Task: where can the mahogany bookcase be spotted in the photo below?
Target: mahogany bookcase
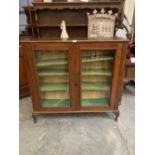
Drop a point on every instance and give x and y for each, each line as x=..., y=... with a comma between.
x=75, y=76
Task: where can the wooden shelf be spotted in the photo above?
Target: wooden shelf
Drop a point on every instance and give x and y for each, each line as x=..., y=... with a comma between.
x=64, y=62
x=64, y=87
x=94, y=94
x=84, y=73
x=96, y=67
x=52, y=62
x=65, y=95
x=54, y=79
x=66, y=103
x=94, y=79
x=97, y=86
x=98, y=59
x=54, y=87
x=55, y=103
x=43, y=26
x=97, y=73
x=53, y=73
x=95, y=102
x=55, y=95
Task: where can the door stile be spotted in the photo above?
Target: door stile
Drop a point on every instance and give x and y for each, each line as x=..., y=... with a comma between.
x=72, y=75
x=78, y=76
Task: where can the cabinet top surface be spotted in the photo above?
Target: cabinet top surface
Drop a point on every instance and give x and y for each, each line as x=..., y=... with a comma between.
x=60, y=4
x=72, y=40
x=76, y=1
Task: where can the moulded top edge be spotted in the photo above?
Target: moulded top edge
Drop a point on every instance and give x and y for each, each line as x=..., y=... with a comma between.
x=76, y=2
x=76, y=5
x=72, y=40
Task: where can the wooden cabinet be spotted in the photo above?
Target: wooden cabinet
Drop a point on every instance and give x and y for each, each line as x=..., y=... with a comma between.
x=75, y=76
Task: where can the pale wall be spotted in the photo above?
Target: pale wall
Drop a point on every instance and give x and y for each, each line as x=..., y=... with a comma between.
x=129, y=9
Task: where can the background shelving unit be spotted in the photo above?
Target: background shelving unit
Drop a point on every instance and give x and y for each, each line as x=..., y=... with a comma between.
x=45, y=18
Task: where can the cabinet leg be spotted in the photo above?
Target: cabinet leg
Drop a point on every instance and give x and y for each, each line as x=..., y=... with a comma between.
x=116, y=115
x=34, y=118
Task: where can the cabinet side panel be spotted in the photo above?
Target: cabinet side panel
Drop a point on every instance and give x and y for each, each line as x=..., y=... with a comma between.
x=121, y=74
x=31, y=75
x=23, y=84
x=116, y=76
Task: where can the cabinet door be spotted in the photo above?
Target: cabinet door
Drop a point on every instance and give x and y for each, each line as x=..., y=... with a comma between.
x=98, y=65
x=52, y=69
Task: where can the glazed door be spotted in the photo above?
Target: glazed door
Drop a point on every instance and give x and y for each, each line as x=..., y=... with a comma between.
x=98, y=68
x=51, y=69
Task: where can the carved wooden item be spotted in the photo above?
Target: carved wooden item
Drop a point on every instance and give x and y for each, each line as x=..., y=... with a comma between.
x=101, y=25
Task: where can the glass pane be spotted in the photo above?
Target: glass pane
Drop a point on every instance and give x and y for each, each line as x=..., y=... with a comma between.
x=97, y=70
x=53, y=75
